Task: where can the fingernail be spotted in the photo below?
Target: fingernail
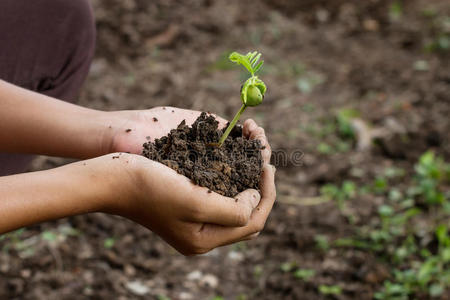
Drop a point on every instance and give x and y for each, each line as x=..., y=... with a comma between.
x=274, y=169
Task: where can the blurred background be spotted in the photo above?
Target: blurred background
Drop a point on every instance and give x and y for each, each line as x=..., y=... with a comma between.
x=360, y=88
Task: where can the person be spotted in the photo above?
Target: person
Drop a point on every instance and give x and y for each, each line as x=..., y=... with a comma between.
x=46, y=50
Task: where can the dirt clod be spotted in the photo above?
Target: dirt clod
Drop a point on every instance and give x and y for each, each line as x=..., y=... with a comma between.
x=227, y=170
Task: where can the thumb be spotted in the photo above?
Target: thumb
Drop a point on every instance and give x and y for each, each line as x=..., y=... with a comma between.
x=226, y=211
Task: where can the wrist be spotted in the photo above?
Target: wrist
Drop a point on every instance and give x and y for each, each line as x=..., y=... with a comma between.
x=114, y=179
x=116, y=125
x=89, y=183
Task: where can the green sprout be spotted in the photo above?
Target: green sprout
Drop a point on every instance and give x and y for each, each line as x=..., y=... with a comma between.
x=252, y=91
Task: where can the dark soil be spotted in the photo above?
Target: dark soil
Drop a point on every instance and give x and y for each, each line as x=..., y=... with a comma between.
x=227, y=170
x=349, y=54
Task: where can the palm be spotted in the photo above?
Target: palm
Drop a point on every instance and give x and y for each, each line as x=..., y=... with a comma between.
x=144, y=125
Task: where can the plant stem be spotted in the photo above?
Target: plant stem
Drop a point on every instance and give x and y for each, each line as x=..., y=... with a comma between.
x=233, y=122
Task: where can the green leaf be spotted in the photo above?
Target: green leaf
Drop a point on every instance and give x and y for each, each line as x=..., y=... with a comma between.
x=330, y=289
x=385, y=211
x=258, y=66
x=287, y=266
x=49, y=236
x=304, y=274
x=109, y=243
x=442, y=235
x=324, y=148
x=396, y=10
x=241, y=60
x=255, y=60
x=322, y=242
x=249, y=61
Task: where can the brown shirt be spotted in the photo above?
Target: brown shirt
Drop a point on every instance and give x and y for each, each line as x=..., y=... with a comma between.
x=45, y=46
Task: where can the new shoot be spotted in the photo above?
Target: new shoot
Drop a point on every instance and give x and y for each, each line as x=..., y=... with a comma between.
x=252, y=91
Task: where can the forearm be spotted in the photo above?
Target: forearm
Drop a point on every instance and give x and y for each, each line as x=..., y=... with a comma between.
x=35, y=197
x=34, y=123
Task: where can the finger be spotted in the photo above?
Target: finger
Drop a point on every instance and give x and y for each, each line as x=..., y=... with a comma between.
x=249, y=237
x=249, y=126
x=215, y=236
x=252, y=131
x=259, y=134
x=216, y=209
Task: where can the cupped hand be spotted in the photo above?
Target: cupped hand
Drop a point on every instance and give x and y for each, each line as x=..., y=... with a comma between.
x=187, y=216
x=129, y=130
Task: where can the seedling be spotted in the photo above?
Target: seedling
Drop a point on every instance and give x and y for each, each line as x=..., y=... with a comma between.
x=252, y=91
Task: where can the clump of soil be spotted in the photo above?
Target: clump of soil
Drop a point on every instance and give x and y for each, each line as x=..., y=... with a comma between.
x=227, y=170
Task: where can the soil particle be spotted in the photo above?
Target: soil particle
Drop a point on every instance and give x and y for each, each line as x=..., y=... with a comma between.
x=114, y=157
x=128, y=130
x=227, y=170
x=155, y=119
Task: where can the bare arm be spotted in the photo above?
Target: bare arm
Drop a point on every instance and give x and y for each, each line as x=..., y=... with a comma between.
x=35, y=197
x=37, y=124
x=185, y=215
x=34, y=123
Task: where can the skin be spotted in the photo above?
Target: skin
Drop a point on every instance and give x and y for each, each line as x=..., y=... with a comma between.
x=189, y=218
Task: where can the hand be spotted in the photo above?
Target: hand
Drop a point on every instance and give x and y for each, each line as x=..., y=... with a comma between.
x=131, y=129
x=193, y=220
x=212, y=235
x=185, y=215
x=167, y=203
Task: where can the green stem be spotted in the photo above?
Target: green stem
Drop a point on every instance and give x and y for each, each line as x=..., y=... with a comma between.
x=230, y=127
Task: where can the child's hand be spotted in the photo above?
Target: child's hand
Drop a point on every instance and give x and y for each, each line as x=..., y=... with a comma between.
x=185, y=215
x=131, y=129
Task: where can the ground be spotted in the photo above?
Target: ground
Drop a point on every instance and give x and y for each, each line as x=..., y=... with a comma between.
x=358, y=91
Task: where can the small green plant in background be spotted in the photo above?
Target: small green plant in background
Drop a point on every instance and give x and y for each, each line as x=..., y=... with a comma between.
x=330, y=289
x=339, y=193
x=108, y=243
x=430, y=276
x=242, y=297
x=288, y=266
x=396, y=10
x=322, y=242
x=253, y=89
x=411, y=230
x=258, y=271
x=299, y=273
x=344, y=122
x=304, y=274
x=430, y=171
